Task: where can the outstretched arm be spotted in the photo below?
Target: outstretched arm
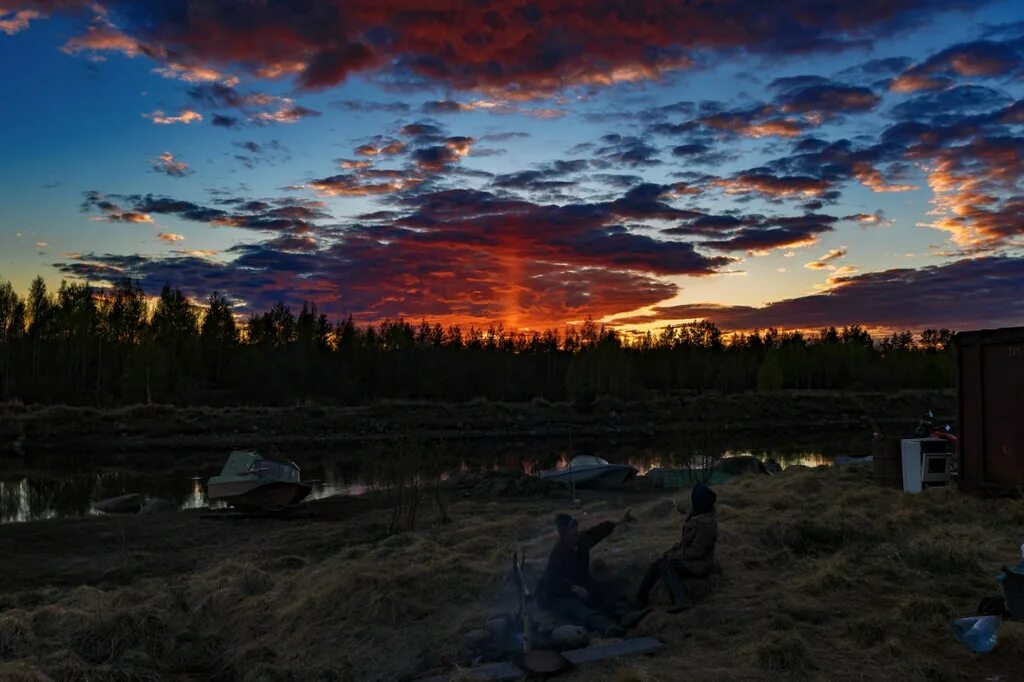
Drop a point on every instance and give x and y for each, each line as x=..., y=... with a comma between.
x=594, y=535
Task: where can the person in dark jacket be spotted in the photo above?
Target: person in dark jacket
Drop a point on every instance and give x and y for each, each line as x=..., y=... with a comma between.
x=568, y=588
x=693, y=555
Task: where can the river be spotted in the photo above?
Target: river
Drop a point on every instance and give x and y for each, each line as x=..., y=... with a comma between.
x=62, y=486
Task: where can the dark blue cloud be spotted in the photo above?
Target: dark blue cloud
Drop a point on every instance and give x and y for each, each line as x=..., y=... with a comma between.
x=624, y=150
x=944, y=106
x=897, y=298
x=367, y=106
x=225, y=121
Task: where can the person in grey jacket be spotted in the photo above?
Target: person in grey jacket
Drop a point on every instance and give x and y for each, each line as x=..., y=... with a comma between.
x=693, y=555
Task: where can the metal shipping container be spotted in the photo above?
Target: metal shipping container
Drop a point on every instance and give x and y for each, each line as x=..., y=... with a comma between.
x=991, y=397
x=886, y=455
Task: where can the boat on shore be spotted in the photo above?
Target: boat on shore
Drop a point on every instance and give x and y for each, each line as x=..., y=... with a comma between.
x=251, y=481
x=590, y=471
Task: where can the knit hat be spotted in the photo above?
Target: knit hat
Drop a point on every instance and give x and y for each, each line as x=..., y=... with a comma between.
x=564, y=522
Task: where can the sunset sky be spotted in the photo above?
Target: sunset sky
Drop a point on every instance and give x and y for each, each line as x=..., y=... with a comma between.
x=793, y=164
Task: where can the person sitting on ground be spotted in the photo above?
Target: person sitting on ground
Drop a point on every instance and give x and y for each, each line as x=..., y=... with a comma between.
x=568, y=588
x=693, y=556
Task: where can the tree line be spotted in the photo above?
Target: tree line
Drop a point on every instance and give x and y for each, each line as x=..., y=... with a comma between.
x=111, y=346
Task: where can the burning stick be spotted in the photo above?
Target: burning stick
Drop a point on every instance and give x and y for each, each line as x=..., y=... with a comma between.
x=518, y=560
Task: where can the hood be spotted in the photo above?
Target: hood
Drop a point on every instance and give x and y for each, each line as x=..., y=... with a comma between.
x=702, y=499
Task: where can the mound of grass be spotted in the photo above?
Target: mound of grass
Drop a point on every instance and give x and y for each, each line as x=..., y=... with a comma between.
x=1011, y=640
x=869, y=630
x=784, y=652
x=15, y=635
x=18, y=671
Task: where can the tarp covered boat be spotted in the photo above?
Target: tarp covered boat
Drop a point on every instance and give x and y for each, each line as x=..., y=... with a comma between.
x=589, y=471
x=249, y=480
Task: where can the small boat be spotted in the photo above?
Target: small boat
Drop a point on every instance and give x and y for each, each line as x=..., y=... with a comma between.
x=251, y=481
x=841, y=460
x=131, y=503
x=589, y=471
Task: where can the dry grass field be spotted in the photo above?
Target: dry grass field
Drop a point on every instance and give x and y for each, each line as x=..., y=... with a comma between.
x=823, y=576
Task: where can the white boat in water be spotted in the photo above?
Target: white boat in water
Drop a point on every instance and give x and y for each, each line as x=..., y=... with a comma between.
x=589, y=471
x=251, y=481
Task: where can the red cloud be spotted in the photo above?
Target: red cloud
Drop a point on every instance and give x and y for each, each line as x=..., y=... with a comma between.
x=516, y=47
x=459, y=255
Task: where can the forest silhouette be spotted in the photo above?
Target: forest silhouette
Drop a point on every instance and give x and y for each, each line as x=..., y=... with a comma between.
x=106, y=347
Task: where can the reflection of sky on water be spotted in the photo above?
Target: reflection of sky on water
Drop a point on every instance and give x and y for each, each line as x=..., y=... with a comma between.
x=18, y=503
x=197, y=497
x=69, y=488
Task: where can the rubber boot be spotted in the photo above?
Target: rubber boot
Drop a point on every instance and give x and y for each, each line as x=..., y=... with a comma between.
x=633, y=617
x=680, y=600
x=605, y=625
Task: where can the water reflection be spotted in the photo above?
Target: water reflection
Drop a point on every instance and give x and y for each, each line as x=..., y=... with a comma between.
x=70, y=487
x=197, y=498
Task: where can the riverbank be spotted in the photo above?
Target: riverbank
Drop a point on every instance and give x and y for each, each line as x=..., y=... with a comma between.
x=823, y=575
x=27, y=429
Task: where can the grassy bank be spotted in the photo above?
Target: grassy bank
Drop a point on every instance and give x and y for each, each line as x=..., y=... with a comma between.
x=824, y=576
x=83, y=429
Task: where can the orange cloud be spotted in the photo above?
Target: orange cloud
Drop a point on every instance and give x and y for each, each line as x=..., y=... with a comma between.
x=278, y=69
x=967, y=183
x=779, y=128
x=12, y=22
x=916, y=82
x=872, y=178
x=390, y=148
x=103, y=36
x=842, y=275
x=170, y=237
x=772, y=185
x=349, y=164
x=354, y=185
x=194, y=73
x=118, y=216
x=288, y=112
x=166, y=163
x=825, y=262
x=185, y=116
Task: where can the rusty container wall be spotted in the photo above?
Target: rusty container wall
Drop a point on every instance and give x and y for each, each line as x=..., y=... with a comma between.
x=991, y=399
x=888, y=465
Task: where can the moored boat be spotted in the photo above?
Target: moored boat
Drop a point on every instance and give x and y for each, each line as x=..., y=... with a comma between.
x=589, y=471
x=249, y=480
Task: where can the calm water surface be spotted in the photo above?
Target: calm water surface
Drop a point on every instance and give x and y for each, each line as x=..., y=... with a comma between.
x=64, y=486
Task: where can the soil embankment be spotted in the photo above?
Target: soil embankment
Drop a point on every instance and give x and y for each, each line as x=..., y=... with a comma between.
x=822, y=575
x=24, y=429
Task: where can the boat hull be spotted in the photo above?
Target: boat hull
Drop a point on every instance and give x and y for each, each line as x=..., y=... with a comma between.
x=258, y=494
x=606, y=477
